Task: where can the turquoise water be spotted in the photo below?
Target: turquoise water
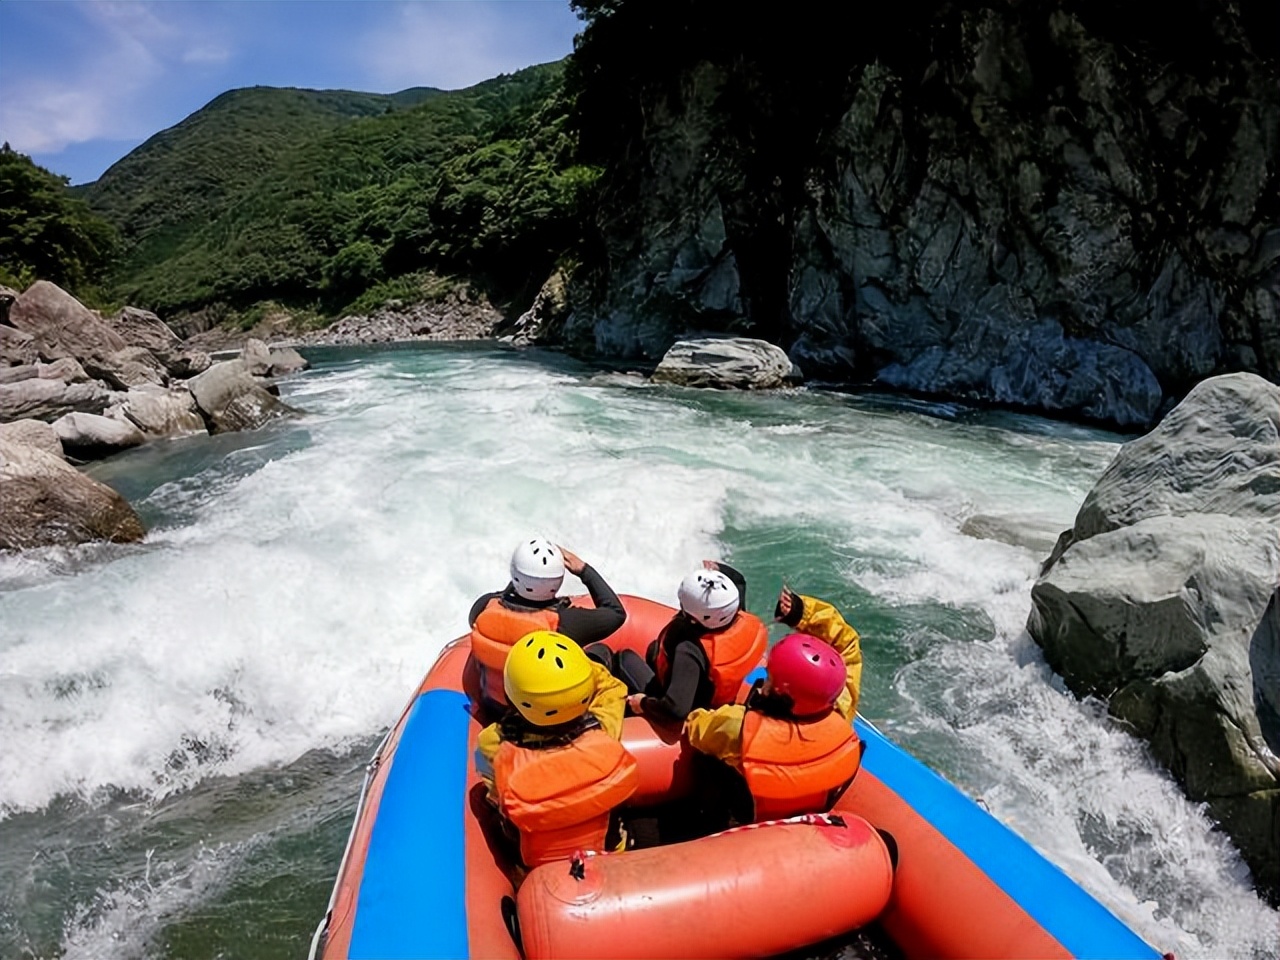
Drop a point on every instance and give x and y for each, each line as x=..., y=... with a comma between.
x=184, y=723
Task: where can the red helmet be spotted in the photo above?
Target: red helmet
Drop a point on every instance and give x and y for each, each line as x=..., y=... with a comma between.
x=807, y=670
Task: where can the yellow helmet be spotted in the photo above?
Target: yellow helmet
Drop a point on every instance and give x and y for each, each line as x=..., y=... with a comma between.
x=548, y=678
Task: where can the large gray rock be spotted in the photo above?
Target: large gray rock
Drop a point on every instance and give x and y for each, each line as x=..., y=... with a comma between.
x=64, y=369
x=729, y=363
x=142, y=328
x=230, y=399
x=62, y=325
x=263, y=361
x=34, y=433
x=256, y=358
x=1162, y=599
x=159, y=412
x=46, y=502
x=46, y=399
x=17, y=347
x=87, y=436
x=130, y=367
x=1216, y=452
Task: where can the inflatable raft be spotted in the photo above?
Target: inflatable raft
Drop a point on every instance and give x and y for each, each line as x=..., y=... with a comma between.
x=424, y=875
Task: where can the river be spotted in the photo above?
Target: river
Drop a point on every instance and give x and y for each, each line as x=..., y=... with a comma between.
x=184, y=722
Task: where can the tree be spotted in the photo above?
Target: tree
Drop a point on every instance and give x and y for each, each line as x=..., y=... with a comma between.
x=45, y=232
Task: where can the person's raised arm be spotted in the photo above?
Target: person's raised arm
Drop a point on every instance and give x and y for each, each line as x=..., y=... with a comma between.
x=822, y=620
x=584, y=624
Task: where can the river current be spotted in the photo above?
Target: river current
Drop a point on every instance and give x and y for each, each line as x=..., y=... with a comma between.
x=184, y=722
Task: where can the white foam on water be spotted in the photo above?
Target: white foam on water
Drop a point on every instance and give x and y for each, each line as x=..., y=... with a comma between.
x=123, y=920
x=307, y=598
x=291, y=604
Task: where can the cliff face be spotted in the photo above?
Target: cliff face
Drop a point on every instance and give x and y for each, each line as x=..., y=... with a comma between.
x=1025, y=203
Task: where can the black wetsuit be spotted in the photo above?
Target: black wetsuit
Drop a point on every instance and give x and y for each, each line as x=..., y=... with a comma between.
x=689, y=684
x=581, y=624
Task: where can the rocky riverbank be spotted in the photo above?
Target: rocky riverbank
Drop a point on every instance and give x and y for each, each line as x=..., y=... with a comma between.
x=76, y=386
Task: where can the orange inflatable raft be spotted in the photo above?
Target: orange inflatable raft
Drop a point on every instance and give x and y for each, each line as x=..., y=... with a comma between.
x=424, y=876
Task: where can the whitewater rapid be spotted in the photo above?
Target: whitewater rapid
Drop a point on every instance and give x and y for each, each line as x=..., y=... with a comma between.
x=299, y=580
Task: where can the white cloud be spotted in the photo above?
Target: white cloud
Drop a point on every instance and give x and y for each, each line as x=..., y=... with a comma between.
x=121, y=70
x=45, y=115
x=107, y=93
x=207, y=54
x=454, y=45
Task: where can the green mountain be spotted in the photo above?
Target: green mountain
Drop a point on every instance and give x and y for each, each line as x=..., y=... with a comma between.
x=47, y=233
x=185, y=175
x=312, y=198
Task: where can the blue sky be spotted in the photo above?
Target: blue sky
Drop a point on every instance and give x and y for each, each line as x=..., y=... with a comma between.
x=83, y=82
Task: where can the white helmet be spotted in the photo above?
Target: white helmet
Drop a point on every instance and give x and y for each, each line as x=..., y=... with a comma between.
x=537, y=569
x=709, y=597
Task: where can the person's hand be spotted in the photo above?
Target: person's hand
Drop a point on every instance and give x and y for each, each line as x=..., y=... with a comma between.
x=784, y=603
x=633, y=703
x=572, y=562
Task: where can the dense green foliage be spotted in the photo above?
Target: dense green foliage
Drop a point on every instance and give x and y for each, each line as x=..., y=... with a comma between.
x=268, y=196
x=186, y=175
x=45, y=232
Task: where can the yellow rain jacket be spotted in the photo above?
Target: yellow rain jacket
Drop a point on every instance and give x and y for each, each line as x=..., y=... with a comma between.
x=719, y=732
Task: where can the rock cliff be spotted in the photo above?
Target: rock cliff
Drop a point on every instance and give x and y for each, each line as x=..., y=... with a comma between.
x=1041, y=205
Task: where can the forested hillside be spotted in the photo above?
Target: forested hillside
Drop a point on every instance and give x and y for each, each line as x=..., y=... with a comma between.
x=186, y=175
x=45, y=232
x=314, y=204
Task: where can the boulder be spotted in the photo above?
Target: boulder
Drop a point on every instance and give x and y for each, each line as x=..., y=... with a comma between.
x=44, y=501
x=46, y=399
x=62, y=325
x=230, y=399
x=263, y=361
x=34, y=433
x=256, y=358
x=159, y=412
x=87, y=436
x=17, y=347
x=1163, y=601
x=729, y=362
x=286, y=360
x=65, y=369
x=130, y=367
x=142, y=328
x=188, y=363
x=21, y=371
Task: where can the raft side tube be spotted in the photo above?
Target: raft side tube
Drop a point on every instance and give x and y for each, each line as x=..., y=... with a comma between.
x=415, y=859
x=967, y=885
x=746, y=892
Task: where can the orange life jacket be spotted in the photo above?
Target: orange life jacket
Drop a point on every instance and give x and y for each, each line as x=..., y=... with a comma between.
x=732, y=653
x=495, y=631
x=793, y=767
x=560, y=798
